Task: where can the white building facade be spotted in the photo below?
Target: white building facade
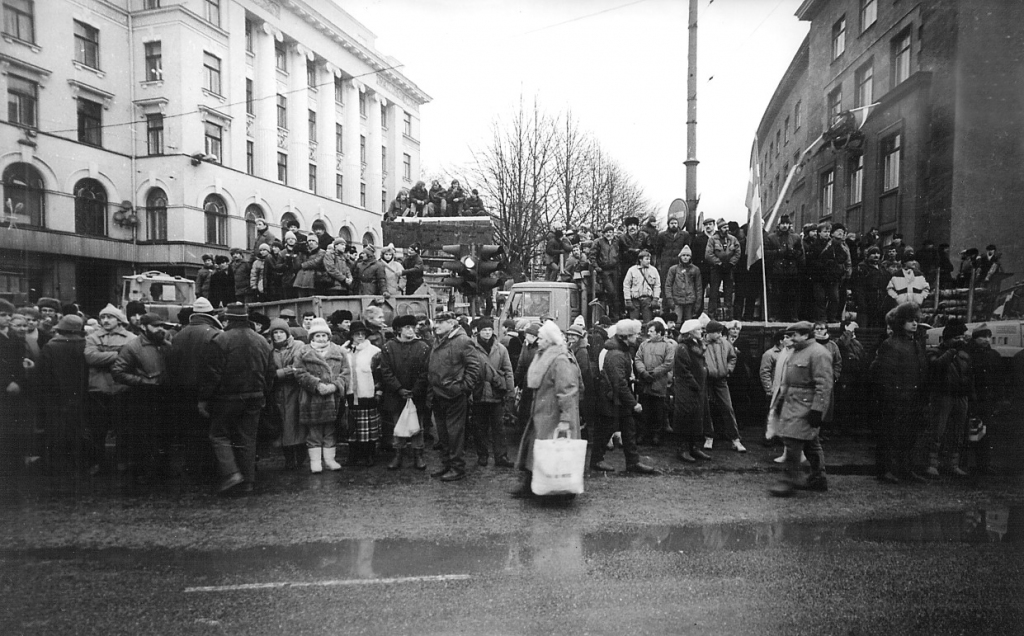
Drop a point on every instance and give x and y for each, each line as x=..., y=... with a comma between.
x=141, y=134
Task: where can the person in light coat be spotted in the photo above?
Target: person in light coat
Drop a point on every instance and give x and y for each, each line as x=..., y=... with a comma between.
x=108, y=399
x=394, y=272
x=908, y=285
x=555, y=380
x=287, y=392
x=653, y=367
x=641, y=288
x=799, y=405
x=364, y=394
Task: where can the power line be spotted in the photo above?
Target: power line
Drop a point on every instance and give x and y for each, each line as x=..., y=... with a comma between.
x=583, y=17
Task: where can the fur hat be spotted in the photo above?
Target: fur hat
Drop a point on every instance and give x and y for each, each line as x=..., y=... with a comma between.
x=134, y=308
x=319, y=326
x=551, y=332
x=7, y=308
x=70, y=324
x=484, y=322
x=630, y=220
x=953, y=329
x=627, y=327
x=689, y=326
x=358, y=327
x=202, y=306
x=407, y=320
x=51, y=303
x=904, y=314
x=111, y=310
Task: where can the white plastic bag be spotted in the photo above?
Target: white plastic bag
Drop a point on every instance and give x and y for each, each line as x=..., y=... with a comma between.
x=409, y=421
x=558, y=466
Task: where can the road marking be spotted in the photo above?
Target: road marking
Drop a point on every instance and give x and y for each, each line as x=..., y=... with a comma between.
x=329, y=583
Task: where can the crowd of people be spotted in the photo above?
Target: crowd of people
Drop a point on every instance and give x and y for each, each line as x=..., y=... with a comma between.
x=435, y=201
x=208, y=389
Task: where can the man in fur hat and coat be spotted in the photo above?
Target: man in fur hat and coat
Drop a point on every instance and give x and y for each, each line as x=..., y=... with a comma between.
x=108, y=399
x=403, y=369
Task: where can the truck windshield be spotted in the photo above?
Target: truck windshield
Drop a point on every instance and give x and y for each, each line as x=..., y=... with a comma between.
x=177, y=293
x=530, y=303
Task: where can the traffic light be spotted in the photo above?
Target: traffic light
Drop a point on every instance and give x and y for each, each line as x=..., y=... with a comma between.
x=489, y=261
x=462, y=267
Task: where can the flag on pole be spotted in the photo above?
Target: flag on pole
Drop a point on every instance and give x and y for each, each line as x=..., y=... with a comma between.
x=860, y=115
x=755, y=227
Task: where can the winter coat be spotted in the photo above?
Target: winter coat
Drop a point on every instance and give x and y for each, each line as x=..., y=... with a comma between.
x=526, y=355
x=990, y=378
x=555, y=401
x=141, y=362
x=203, y=282
x=766, y=371
x=497, y=358
x=394, y=282
x=853, y=354
x=275, y=268
x=185, y=358
x=555, y=245
x=900, y=372
x=453, y=368
x=312, y=370
x=308, y=269
x=437, y=195
x=721, y=358
x=834, y=263
x=683, y=284
x=630, y=246
x=400, y=206
x=240, y=272
x=613, y=377
x=837, y=368
x=290, y=264
x=413, y=272
x=951, y=371
x=722, y=251
x=605, y=254
x=370, y=278
x=363, y=369
x=908, y=289
x=266, y=237
x=62, y=382
x=403, y=365
x=288, y=393
x=640, y=282
x=336, y=266
x=238, y=364
x=581, y=354
x=257, y=276
x=222, y=288
x=101, y=350
x=666, y=248
x=690, y=387
x=12, y=351
x=699, y=247
x=784, y=254
x=869, y=285
x=653, y=364
x=806, y=386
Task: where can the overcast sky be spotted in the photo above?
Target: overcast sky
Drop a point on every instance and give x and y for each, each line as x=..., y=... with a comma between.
x=619, y=65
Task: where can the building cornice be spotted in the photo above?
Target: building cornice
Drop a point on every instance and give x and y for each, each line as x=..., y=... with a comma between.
x=7, y=61
x=808, y=9
x=81, y=87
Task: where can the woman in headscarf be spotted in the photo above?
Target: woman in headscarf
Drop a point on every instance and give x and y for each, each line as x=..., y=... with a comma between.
x=364, y=395
x=287, y=392
x=323, y=373
x=555, y=381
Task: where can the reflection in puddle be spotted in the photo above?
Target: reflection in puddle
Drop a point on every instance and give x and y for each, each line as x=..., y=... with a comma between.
x=549, y=550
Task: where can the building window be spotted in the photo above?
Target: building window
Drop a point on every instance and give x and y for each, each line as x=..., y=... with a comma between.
x=339, y=90
x=90, y=122
x=778, y=142
x=281, y=56
x=312, y=178
x=864, y=78
x=407, y=124
x=151, y=4
x=250, y=106
x=797, y=115
x=311, y=74
x=216, y=212
x=25, y=193
x=362, y=195
x=828, y=183
x=214, y=134
x=282, y=168
x=211, y=11
x=856, y=185
x=891, y=163
x=22, y=101
x=868, y=13
x=384, y=159
x=339, y=187
x=211, y=73
x=154, y=134
x=250, y=157
x=383, y=116
x=87, y=45
x=156, y=215
x=154, y=62
x=383, y=200
x=339, y=136
x=252, y=212
x=362, y=104
x=19, y=21
x=282, y=111
x=839, y=37
x=362, y=149
x=785, y=131
x=406, y=167
x=312, y=125
x=835, y=103
x=90, y=208
x=901, y=58
x=248, y=36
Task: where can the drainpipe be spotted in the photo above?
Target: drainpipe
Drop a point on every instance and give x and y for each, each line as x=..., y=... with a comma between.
x=133, y=183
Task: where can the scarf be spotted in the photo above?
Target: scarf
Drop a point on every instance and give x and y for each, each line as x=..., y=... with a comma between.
x=540, y=364
x=319, y=349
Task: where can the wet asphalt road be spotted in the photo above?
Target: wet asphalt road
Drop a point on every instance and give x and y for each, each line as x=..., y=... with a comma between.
x=695, y=551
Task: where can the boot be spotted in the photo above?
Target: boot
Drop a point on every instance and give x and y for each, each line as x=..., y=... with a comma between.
x=315, y=457
x=396, y=462
x=369, y=454
x=954, y=467
x=417, y=459
x=933, y=465
x=329, y=462
x=290, y=461
x=353, y=454
x=522, y=489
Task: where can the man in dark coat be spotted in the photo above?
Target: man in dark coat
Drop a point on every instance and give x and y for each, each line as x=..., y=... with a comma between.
x=604, y=254
x=234, y=383
x=952, y=387
x=699, y=247
x=496, y=381
x=452, y=371
x=63, y=382
x=412, y=269
x=368, y=273
x=556, y=249
x=784, y=254
x=631, y=243
x=834, y=270
x=578, y=345
x=689, y=387
x=222, y=283
x=869, y=285
x=617, y=403
x=13, y=389
x=666, y=249
x=403, y=369
x=240, y=269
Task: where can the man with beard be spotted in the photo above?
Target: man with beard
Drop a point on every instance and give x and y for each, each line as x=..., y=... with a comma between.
x=722, y=254
x=785, y=255
x=403, y=368
x=142, y=366
x=604, y=254
x=631, y=243
x=489, y=396
x=412, y=269
x=369, y=275
x=869, y=282
x=108, y=399
x=616, y=400
x=452, y=371
x=689, y=387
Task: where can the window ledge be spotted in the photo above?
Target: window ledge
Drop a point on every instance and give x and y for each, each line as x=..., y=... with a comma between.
x=411, y=139
x=282, y=73
x=15, y=40
x=151, y=83
x=85, y=67
x=868, y=28
x=216, y=96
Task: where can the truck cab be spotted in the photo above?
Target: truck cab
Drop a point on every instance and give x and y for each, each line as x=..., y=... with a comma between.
x=161, y=293
x=532, y=300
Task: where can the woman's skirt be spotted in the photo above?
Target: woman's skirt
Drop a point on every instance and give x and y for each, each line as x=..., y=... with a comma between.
x=363, y=420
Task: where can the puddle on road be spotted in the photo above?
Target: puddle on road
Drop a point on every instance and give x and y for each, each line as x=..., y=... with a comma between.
x=549, y=551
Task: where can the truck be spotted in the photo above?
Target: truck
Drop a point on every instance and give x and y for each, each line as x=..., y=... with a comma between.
x=532, y=300
x=1006, y=322
x=324, y=306
x=161, y=293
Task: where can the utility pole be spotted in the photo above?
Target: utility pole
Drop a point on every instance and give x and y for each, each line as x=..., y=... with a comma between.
x=691, y=122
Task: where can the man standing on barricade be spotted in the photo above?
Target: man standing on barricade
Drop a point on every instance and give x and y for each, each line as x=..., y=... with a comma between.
x=784, y=254
x=604, y=254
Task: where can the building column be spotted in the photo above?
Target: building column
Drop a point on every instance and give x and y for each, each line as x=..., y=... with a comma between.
x=298, y=117
x=265, y=95
x=326, y=113
x=374, y=169
x=353, y=126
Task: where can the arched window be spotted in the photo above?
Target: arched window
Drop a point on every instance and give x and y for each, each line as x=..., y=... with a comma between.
x=24, y=195
x=288, y=222
x=90, y=208
x=216, y=212
x=156, y=215
x=368, y=239
x=346, y=234
x=252, y=212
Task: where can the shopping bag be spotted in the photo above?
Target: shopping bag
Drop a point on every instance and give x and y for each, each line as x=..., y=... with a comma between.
x=558, y=465
x=409, y=421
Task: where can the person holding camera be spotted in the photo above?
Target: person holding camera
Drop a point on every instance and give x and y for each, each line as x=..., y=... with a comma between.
x=641, y=289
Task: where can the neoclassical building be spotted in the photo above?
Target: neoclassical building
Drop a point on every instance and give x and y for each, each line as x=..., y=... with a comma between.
x=141, y=134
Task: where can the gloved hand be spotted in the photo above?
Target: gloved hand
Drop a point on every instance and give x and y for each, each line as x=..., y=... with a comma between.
x=405, y=394
x=629, y=304
x=814, y=419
